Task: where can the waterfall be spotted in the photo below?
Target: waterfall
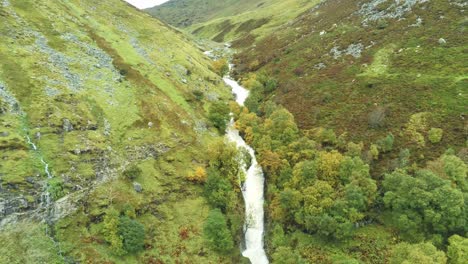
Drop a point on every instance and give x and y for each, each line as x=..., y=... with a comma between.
x=252, y=190
x=46, y=201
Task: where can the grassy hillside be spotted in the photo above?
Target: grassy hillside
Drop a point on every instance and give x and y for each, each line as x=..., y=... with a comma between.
x=116, y=104
x=343, y=63
x=357, y=113
x=224, y=21
x=384, y=81
x=184, y=13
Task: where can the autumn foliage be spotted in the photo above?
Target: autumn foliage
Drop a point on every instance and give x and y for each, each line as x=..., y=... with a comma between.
x=198, y=176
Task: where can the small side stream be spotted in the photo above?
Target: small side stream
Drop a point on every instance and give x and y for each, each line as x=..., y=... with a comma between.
x=46, y=202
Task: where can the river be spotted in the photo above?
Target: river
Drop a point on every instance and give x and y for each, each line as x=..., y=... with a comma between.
x=252, y=189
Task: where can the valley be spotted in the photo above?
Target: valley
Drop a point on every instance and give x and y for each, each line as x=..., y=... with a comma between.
x=263, y=131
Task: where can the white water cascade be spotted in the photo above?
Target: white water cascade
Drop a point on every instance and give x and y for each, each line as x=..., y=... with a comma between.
x=252, y=190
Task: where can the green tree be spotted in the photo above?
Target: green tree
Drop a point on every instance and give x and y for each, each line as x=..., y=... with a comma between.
x=253, y=101
x=404, y=158
x=216, y=232
x=224, y=158
x=423, y=253
x=424, y=204
x=132, y=233
x=270, y=85
x=55, y=188
x=386, y=144
x=281, y=126
x=435, y=135
x=290, y=201
x=354, y=150
x=132, y=172
x=218, y=190
x=456, y=170
x=457, y=251
x=220, y=67
x=219, y=115
x=111, y=232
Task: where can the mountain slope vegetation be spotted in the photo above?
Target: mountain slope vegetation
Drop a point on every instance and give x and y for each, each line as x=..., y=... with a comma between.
x=103, y=118
x=184, y=13
x=223, y=21
x=357, y=112
x=369, y=69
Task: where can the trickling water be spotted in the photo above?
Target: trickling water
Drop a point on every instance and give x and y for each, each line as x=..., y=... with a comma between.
x=252, y=190
x=46, y=165
x=46, y=202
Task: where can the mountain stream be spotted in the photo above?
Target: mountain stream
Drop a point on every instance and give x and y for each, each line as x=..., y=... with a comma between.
x=252, y=189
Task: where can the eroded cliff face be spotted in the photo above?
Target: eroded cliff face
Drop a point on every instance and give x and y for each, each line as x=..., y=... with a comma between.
x=86, y=89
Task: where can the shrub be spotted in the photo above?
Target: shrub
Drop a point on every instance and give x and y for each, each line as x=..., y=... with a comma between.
x=110, y=232
x=299, y=71
x=251, y=81
x=386, y=144
x=253, y=101
x=354, y=149
x=198, y=94
x=456, y=170
x=199, y=175
x=218, y=190
x=382, y=24
x=377, y=117
x=341, y=141
x=220, y=67
x=374, y=151
x=270, y=85
x=254, y=65
x=404, y=158
x=458, y=249
x=132, y=172
x=416, y=126
x=55, y=188
x=435, y=135
x=132, y=234
x=325, y=136
x=423, y=204
x=219, y=115
x=423, y=253
x=287, y=255
x=216, y=232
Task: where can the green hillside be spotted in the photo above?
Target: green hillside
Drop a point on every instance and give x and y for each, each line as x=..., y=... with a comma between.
x=112, y=123
x=184, y=13
x=343, y=69
x=224, y=21
x=116, y=104
x=357, y=113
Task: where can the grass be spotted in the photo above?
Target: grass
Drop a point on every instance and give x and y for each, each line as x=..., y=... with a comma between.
x=129, y=111
x=403, y=69
x=380, y=63
x=405, y=72
x=27, y=243
x=183, y=13
x=224, y=22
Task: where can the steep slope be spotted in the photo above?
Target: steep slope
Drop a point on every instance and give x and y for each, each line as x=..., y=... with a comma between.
x=101, y=108
x=357, y=113
x=381, y=83
x=184, y=13
x=343, y=64
x=225, y=21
